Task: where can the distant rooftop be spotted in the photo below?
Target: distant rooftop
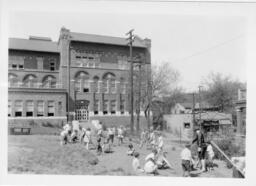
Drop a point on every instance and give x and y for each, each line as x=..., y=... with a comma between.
x=40, y=44
x=92, y=38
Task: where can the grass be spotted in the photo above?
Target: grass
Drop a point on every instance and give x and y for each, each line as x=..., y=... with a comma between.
x=40, y=154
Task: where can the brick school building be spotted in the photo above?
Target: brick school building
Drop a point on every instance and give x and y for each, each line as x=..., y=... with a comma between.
x=82, y=74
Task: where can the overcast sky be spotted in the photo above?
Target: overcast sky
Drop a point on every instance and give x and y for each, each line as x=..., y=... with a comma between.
x=195, y=45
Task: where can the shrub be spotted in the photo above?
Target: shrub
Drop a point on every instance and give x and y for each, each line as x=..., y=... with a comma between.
x=230, y=148
x=32, y=123
x=47, y=124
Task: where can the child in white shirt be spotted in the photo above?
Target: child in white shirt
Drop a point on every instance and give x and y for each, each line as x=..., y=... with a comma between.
x=136, y=163
x=150, y=165
x=186, y=160
x=210, y=155
x=87, y=138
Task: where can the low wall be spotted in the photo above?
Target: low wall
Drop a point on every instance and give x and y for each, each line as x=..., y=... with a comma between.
x=39, y=125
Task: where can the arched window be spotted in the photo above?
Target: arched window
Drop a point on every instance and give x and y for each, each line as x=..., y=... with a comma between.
x=12, y=80
x=96, y=83
x=109, y=82
x=82, y=82
x=122, y=85
x=30, y=81
x=49, y=82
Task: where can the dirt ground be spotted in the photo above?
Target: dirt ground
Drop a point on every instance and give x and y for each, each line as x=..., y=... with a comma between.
x=42, y=154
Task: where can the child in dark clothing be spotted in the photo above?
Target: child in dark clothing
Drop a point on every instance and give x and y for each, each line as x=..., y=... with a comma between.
x=131, y=150
x=99, y=147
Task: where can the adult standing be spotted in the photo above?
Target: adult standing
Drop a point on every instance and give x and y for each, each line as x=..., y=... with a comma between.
x=201, y=148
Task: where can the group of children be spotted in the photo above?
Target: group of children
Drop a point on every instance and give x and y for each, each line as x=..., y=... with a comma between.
x=189, y=163
x=153, y=161
x=76, y=133
x=104, y=137
x=153, y=139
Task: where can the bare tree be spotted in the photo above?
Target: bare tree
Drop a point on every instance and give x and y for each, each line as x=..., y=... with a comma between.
x=151, y=84
x=221, y=91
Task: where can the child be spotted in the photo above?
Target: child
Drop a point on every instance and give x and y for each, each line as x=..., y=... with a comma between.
x=153, y=139
x=150, y=166
x=87, y=138
x=160, y=143
x=136, y=163
x=210, y=155
x=131, y=150
x=120, y=135
x=142, y=138
x=65, y=134
x=99, y=147
x=186, y=160
x=111, y=134
x=64, y=137
x=74, y=136
x=162, y=162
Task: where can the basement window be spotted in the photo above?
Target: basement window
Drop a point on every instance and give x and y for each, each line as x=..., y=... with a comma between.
x=14, y=66
x=186, y=125
x=86, y=89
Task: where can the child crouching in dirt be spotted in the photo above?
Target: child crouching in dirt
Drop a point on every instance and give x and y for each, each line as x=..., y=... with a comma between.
x=162, y=162
x=136, y=163
x=131, y=150
x=150, y=166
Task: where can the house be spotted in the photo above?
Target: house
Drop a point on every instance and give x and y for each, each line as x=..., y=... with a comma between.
x=241, y=111
x=182, y=124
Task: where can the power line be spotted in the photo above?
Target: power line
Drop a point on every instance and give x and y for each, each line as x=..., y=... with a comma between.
x=210, y=48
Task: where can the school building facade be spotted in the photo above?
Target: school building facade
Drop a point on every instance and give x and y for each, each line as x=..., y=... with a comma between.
x=83, y=74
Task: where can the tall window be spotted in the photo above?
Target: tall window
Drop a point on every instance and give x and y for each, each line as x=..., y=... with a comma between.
x=96, y=84
x=49, y=82
x=51, y=108
x=12, y=80
x=29, y=108
x=105, y=107
x=122, y=86
x=40, y=108
x=113, y=106
x=9, y=108
x=86, y=86
x=105, y=85
x=96, y=107
x=108, y=81
x=82, y=82
x=112, y=85
x=18, y=108
x=30, y=81
x=122, y=102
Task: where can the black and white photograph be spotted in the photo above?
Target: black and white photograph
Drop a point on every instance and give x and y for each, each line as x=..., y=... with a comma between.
x=145, y=89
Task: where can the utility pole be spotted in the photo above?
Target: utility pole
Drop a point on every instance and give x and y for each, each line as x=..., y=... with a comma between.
x=131, y=39
x=200, y=122
x=68, y=77
x=139, y=100
x=193, y=112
